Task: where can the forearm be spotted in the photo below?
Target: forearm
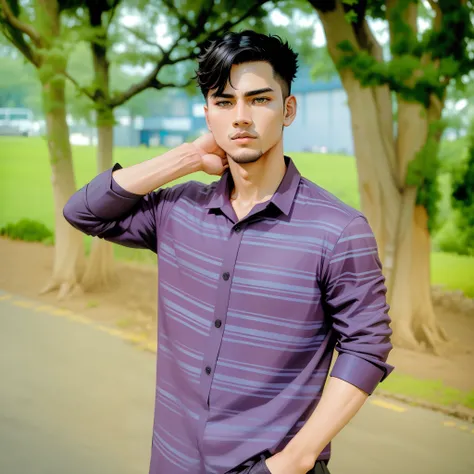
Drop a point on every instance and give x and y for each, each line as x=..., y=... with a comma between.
x=338, y=405
x=149, y=175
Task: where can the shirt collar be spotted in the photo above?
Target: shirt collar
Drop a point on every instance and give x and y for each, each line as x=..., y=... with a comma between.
x=282, y=198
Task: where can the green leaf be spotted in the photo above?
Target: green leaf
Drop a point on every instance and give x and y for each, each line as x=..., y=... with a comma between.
x=346, y=46
x=351, y=16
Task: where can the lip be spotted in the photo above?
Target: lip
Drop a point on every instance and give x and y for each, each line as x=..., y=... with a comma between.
x=242, y=135
x=243, y=139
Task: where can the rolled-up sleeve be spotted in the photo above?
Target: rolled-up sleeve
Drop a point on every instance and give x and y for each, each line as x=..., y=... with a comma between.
x=104, y=209
x=355, y=295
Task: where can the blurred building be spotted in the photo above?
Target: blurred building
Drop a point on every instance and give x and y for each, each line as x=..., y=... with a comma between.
x=16, y=121
x=323, y=121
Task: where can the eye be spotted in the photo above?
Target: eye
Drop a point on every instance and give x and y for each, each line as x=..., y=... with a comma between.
x=223, y=103
x=261, y=100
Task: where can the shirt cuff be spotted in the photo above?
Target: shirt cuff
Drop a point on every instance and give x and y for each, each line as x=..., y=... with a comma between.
x=106, y=199
x=116, y=188
x=357, y=371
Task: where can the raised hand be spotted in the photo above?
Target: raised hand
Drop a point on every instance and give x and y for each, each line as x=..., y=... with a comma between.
x=213, y=157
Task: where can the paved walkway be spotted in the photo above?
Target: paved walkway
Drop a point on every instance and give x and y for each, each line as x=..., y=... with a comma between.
x=78, y=399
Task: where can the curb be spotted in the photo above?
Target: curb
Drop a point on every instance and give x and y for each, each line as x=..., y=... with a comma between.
x=459, y=412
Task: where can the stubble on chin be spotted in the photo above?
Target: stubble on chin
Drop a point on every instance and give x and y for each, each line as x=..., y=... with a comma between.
x=245, y=158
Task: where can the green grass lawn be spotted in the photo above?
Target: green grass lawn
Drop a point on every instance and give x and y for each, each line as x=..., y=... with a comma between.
x=433, y=391
x=25, y=175
x=25, y=191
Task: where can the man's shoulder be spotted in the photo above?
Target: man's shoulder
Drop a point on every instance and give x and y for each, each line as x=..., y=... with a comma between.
x=325, y=205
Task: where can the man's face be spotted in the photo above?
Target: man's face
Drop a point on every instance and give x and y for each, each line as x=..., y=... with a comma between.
x=247, y=119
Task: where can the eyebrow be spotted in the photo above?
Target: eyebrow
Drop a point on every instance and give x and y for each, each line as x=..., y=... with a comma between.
x=247, y=94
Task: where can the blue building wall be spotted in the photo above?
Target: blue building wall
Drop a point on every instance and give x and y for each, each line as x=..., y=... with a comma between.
x=126, y=136
x=323, y=121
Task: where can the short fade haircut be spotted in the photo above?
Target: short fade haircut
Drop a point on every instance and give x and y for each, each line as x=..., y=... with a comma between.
x=217, y=58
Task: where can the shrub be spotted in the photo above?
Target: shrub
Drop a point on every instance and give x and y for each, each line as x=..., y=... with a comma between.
x=28, y=230
x=451, y=239
x=452, y=153
x=463, y=196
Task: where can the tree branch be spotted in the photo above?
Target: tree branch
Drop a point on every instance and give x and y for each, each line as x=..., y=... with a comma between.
x=148, y=81
x=182, y=19
x=439, y=14
x=201, y=21
x=230, y=24
x=324, y=6
x=204, y=14
x=142, y=37
x=79, y=87
x=22, y=46
x=113, y=10
x=382, y=97
x=19, y=25
x=151, y=81
x=368, y=41
x=336, y=28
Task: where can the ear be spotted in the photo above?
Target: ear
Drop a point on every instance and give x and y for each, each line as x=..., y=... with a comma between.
x=290, y=110
x=206, y=112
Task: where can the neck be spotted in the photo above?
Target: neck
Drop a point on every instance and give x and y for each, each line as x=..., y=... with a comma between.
x=257, y=182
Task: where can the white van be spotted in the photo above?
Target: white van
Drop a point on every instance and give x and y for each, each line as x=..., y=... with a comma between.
x=16, y=121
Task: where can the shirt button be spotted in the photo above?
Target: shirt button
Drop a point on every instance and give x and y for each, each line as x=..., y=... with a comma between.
x=226, y=276
x=238, y=229
x=208, y=370
x=218, y=323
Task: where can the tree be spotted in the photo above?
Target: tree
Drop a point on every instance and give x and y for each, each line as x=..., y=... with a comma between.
x=397, y=162
x=35, y=31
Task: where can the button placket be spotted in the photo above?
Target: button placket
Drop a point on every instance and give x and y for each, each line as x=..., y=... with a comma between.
x=211, y=353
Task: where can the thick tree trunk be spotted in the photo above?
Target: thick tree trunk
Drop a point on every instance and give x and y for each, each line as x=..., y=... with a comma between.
x=100, y=271
x=425, y=325
x=400, y=226
x=69, y=245
x=380, y=197
x=400, y=296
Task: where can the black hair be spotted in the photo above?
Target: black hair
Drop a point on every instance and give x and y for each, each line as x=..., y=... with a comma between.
x=219, y=55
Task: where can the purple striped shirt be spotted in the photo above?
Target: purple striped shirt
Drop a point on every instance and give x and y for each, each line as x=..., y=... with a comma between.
x=249, y=311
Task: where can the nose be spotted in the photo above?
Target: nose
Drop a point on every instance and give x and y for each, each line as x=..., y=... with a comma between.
x=243, y=117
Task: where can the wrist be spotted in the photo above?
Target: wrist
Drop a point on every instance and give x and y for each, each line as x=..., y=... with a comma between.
x=303, y=460
x=191, y=156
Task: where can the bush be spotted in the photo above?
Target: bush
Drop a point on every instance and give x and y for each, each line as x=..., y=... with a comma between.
x=451, y=239
x=452, y=153
x=463, y=196
x=28, y=230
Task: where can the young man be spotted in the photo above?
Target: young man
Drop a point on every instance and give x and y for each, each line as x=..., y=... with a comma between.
x=261, y=275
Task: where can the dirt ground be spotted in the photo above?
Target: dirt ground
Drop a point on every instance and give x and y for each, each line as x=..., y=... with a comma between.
x=131, y=305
